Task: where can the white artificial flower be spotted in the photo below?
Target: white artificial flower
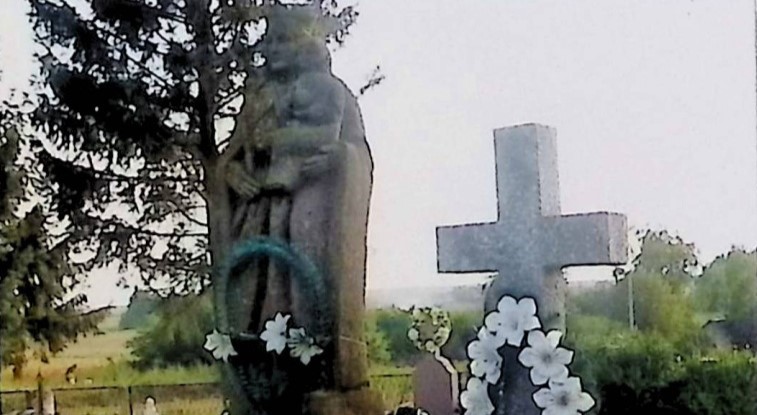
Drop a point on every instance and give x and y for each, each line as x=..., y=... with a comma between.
x=413, y=334
x=486, y=362
x=563, y=397
x=220, y=345
x=513, y=319
x=475, y=398
x=275, y=333
x=302, y=346
x=546, y=360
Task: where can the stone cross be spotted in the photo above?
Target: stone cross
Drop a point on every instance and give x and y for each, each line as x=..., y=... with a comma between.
x=530, y=243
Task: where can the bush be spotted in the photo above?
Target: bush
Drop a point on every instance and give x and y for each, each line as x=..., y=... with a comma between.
x=631, y=373
x=395, y=323
x=726, y=385
x=377, y=341
x=141, y=311
x=178, y=335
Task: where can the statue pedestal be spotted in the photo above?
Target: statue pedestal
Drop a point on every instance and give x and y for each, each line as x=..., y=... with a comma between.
x=358, y=402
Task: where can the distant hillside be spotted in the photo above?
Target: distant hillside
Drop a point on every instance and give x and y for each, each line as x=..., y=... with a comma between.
x=451, y=298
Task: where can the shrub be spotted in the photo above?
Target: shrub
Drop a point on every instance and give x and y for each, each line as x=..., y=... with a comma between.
x=377, y=341
x=395, y=323
x=725, y=385
x=178, y=335
x=631, y=373
x=142, y=309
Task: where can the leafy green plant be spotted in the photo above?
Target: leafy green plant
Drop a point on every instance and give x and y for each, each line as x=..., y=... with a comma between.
x=178, y=335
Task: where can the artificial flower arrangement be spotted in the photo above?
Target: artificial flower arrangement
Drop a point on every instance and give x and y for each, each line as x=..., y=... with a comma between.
x=277, y=336
x=507, y=326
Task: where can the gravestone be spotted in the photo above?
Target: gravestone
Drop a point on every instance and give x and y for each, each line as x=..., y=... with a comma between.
x=150, y=408
x=529, y=244
x=435, y=387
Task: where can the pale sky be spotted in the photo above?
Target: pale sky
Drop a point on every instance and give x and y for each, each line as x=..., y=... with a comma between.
x=653, y=102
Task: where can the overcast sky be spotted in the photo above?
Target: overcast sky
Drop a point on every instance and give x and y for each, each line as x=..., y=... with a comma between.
x=653, y=102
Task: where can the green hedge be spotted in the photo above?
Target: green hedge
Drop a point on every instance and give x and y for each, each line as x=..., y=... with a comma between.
x=632, y=373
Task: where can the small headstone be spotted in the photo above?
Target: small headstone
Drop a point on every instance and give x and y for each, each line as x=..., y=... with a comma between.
x=150, y=408
x=435, y=387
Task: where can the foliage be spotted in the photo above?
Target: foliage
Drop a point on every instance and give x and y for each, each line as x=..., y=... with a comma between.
x=662, y=276
x=138, y=102
x=722, y=386
x=38, y=309
x=178, y=336
x=378, y=343
x=637, y=372
x=395, y=323
x=142, y=305
x=728, y=286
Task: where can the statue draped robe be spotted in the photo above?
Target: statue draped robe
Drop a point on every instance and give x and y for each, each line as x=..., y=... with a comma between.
x=323, y=216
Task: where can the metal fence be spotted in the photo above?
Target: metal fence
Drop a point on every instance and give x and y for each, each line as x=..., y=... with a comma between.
x=185, y=399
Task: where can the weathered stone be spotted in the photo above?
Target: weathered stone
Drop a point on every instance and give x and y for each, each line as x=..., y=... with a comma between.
x=529, y=244
x=302, y=175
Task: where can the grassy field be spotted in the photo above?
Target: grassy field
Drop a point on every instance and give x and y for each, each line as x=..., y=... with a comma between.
x=103, y=363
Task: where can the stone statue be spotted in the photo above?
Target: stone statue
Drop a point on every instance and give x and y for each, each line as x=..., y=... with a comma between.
x=298, y=169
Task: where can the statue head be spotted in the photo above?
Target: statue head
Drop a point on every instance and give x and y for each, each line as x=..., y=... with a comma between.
x=295, y=40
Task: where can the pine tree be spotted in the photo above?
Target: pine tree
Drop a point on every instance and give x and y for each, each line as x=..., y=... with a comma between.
x=38, y=307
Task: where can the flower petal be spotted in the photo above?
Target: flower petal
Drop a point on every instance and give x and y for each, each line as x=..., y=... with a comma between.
x=553, y=337
x=493, y=320
x=515, y=338
x=538, y=376
x=537, y=339
x=584, y=402
x=527, y=305
x=563, y=356
x=557, y=372
x=507, y=304
x=492, y=376
x=571, y=384
x=531, y=323
x=528, y=357
x=543, y=398
x=209, y=344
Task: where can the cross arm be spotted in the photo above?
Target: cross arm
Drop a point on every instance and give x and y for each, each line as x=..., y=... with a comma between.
x=586, y=239
x=466, y=248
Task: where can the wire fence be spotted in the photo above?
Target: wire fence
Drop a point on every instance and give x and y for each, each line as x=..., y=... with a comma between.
x=184, y=399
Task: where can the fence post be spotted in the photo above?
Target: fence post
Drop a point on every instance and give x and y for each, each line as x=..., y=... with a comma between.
x=131, y=405
x=39, y=393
